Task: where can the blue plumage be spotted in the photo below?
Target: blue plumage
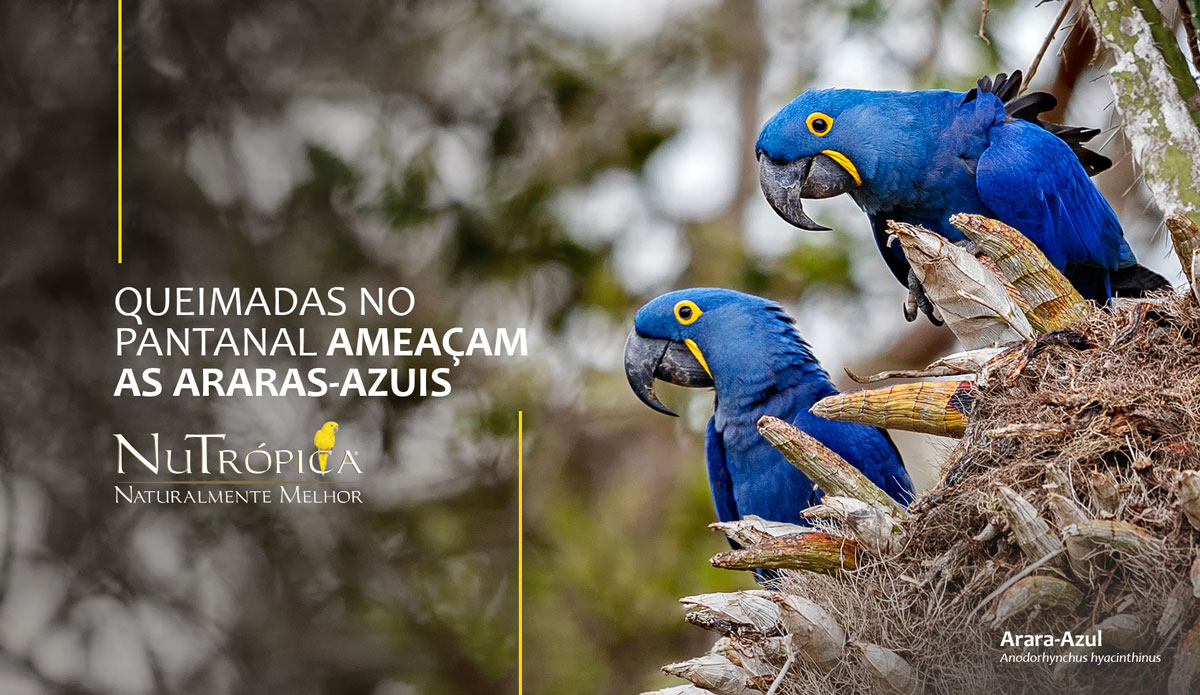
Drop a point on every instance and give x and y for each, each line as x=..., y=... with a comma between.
x=759, y=365
x=920, y=157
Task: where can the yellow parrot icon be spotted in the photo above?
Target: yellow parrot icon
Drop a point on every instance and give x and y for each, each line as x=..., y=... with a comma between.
x=323, y=440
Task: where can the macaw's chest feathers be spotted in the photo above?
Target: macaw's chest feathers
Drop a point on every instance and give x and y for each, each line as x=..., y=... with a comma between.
x=738, y=409
x=765, y=484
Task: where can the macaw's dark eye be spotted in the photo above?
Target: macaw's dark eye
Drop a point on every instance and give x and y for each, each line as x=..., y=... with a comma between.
x=686, y=312
x=819, y=123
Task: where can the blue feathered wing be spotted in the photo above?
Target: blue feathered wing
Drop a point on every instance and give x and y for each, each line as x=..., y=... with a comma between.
x=1033, y=182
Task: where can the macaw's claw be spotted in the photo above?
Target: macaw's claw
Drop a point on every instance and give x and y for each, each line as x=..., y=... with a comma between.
x=918, y=301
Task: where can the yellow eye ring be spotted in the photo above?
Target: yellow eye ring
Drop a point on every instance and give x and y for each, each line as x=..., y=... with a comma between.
x=686, y=312
x=818, y=123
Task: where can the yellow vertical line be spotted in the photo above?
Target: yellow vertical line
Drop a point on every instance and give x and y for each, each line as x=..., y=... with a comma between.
x=120, y=130
x=520, y=552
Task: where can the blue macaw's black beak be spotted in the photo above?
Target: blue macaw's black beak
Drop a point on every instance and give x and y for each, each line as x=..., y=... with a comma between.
x=787, y=183
x=647, y=359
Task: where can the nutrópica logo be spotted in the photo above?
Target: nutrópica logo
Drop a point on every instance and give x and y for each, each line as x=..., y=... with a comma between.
x=154, y=469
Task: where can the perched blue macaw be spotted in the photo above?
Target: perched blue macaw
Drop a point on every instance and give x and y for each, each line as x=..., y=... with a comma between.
x=748, y=349
x=919, y=157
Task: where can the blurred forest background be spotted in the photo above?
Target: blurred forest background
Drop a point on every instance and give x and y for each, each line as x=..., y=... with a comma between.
x=542, y=163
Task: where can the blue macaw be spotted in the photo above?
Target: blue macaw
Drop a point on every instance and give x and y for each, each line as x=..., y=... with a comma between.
x=749, y=350
x=919, y=157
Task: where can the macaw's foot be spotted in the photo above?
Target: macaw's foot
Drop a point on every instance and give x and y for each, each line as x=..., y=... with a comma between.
x=917, y=301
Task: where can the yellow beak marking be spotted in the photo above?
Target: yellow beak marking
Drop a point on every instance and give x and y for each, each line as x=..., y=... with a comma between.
x=691, y=345
x=845, y=162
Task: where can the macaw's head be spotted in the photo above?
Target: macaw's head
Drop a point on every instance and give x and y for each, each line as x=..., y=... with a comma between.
x=816, y=147
x=330, y=427
x=705, y=337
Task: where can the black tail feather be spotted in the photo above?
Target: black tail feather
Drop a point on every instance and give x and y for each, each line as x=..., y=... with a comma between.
x=1004, y=86
x=1135, y=281
x=1030, y=106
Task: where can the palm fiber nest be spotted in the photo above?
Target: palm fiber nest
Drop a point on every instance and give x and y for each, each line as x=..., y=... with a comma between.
x=1098, y=423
